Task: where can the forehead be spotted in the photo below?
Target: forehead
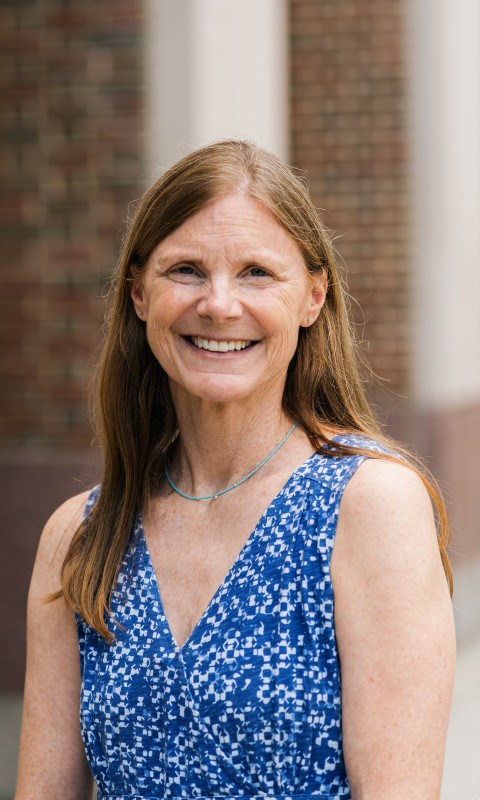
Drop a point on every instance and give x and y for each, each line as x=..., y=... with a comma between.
x=237, y=224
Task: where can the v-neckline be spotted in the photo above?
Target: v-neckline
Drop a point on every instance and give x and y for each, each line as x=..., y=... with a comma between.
x=229, y=575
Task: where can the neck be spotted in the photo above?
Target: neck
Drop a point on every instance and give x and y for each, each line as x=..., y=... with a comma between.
x=220, y=443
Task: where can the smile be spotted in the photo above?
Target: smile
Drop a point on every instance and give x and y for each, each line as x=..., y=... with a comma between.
x=222, y=346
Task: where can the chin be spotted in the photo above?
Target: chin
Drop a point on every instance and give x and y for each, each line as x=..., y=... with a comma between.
x=218, y=392
x=220, y=395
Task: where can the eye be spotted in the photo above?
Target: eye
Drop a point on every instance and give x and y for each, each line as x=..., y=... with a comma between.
x=257, y=272
x=184, y=273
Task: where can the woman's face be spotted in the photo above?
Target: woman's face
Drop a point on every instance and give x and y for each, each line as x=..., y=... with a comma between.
x=223, y=298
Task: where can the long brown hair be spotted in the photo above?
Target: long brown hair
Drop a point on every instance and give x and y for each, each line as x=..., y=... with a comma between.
x=133, y=414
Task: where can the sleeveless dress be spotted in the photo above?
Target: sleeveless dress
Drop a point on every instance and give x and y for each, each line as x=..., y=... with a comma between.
x=250, y=706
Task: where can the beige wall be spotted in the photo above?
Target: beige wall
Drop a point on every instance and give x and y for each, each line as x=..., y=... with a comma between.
x=445, y=135
x=215, y=69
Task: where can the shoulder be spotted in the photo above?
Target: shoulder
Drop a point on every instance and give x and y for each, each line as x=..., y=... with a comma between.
x=386, y=490
x=55, y=541
x=377, y=476
x=386, y=527
x=63, y=523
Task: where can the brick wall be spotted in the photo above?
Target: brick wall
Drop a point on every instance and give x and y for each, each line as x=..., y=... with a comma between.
x=348, y=131
x=71, y=96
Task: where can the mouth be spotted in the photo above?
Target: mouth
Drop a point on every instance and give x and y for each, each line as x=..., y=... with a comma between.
x=222, y=346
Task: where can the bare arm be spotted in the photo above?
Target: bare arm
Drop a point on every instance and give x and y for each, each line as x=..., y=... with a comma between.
x=52, y=764
x=394, y=627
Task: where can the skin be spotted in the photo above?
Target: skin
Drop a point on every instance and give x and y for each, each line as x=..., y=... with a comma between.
x=232, y=273
x=52, y=762
x=395, y=634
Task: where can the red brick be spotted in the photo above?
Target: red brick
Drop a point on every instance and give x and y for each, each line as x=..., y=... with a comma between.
x=69, y=74
x=348, y=131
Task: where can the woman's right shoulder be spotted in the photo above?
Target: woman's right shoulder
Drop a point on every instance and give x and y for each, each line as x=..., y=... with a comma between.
x=55, y=541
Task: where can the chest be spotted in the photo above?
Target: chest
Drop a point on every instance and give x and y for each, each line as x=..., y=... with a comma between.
x=194, y=547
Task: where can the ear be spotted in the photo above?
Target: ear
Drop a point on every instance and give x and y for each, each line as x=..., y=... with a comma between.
x=138, y=297
x=319, y=288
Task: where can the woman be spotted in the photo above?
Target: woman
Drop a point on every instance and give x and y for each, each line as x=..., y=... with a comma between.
x=246, y=487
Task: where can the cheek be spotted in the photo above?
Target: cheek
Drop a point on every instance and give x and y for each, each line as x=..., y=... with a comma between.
x=290, y=340
x=280, y=307
x=283, y=343
x=295, y=301
x=157, y=339
x=163, y=310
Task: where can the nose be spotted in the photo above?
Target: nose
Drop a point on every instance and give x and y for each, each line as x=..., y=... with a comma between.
x=220, y=300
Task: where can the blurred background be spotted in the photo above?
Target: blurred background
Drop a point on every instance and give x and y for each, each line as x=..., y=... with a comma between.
x=377, y=101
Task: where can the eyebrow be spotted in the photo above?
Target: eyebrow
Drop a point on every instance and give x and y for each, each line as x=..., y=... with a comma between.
x=193, y=254
x=179, y=254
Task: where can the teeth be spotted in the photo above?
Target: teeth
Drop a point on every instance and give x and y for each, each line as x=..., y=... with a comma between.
x=222, y=347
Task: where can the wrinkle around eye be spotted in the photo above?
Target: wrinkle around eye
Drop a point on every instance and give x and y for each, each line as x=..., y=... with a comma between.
x=185, y=273
x=184, y=269
x=266, y=275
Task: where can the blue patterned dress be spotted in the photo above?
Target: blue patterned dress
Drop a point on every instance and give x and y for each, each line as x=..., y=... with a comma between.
x=249, y=707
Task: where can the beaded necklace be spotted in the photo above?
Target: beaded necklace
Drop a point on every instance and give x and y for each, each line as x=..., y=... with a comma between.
x=237, y=483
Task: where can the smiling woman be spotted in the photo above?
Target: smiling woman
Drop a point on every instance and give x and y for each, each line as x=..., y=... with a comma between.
x=256, y=586
x=223, y=298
